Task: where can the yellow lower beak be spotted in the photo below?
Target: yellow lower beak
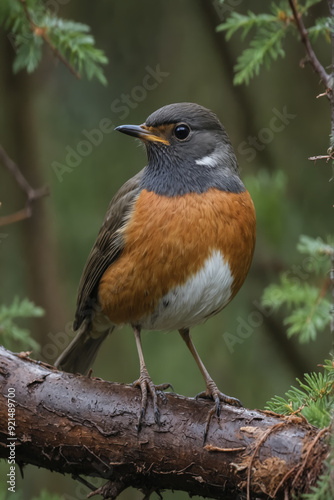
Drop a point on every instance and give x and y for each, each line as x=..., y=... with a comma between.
x=142, y=132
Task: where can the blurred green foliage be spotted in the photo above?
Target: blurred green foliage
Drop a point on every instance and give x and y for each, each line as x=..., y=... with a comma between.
x=19, y=495
x=309, y=305
x=12, y=335
x=45, y=495
x=267, y=190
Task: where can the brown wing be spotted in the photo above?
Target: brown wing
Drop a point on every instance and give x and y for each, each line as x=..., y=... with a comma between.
x=108, y=246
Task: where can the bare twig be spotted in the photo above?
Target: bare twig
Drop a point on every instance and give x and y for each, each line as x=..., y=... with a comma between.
x=328, y=157
x=209, y=447
x=41, y=31
x=317, y=66
x=324, y=94
x=32, y=194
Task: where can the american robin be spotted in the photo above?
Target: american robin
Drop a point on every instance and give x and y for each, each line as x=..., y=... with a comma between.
x=175, y=245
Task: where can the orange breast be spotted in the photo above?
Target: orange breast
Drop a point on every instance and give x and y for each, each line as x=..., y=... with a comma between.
x=167, y=240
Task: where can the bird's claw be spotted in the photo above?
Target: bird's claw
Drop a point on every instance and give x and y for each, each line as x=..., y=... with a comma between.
x=146, y=386
x=218, y=397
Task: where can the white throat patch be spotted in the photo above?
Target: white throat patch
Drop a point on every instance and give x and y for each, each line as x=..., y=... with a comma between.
x=212, y=160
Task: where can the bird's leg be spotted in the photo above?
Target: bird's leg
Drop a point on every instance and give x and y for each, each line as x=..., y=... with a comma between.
x=146, y=385
x=211, y=388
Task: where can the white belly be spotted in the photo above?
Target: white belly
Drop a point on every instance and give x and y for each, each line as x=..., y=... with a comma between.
x=205, y=293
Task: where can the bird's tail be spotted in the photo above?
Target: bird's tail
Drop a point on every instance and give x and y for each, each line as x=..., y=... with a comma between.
x=80, y=354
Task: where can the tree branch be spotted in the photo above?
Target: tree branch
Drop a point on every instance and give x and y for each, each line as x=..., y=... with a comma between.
x=317, y=66
x=78, y=425
x=40, y=31
x=32, y=194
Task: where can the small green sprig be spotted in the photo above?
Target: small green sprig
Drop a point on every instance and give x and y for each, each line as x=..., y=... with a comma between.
x=31, y=26
x=313, y=399
x=12, y=335
x=266, y=45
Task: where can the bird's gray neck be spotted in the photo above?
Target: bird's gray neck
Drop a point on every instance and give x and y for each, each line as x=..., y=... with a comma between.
x=169, y=175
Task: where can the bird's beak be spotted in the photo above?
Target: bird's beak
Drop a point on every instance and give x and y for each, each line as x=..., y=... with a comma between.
x=150, y=134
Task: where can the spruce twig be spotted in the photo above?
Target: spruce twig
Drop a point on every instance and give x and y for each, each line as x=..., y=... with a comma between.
x=40, y=31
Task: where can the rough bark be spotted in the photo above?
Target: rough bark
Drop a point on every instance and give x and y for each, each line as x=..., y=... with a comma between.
x=80, y=425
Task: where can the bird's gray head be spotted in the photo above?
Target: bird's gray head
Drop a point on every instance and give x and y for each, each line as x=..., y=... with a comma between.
x=188, y=150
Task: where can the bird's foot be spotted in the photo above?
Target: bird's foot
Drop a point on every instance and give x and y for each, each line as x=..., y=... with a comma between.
x=146, y=386
x=212, y=392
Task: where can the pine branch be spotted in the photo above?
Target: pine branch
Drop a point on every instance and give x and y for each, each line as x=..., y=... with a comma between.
x=266, y=46
x=312, y=399
x=33, y=25
x=270, y=30
x=38, y=31
x=245, y=22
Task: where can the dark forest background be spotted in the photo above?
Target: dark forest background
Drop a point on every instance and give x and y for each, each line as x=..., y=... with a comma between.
x=44, y=117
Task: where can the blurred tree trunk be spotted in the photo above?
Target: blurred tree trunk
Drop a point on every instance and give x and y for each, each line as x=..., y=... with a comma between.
x=38, y=236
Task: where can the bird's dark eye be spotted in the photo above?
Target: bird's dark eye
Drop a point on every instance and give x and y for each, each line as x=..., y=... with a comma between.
x=182, y=131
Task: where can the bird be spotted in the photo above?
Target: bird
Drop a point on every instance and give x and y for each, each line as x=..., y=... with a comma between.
x=174, y=248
